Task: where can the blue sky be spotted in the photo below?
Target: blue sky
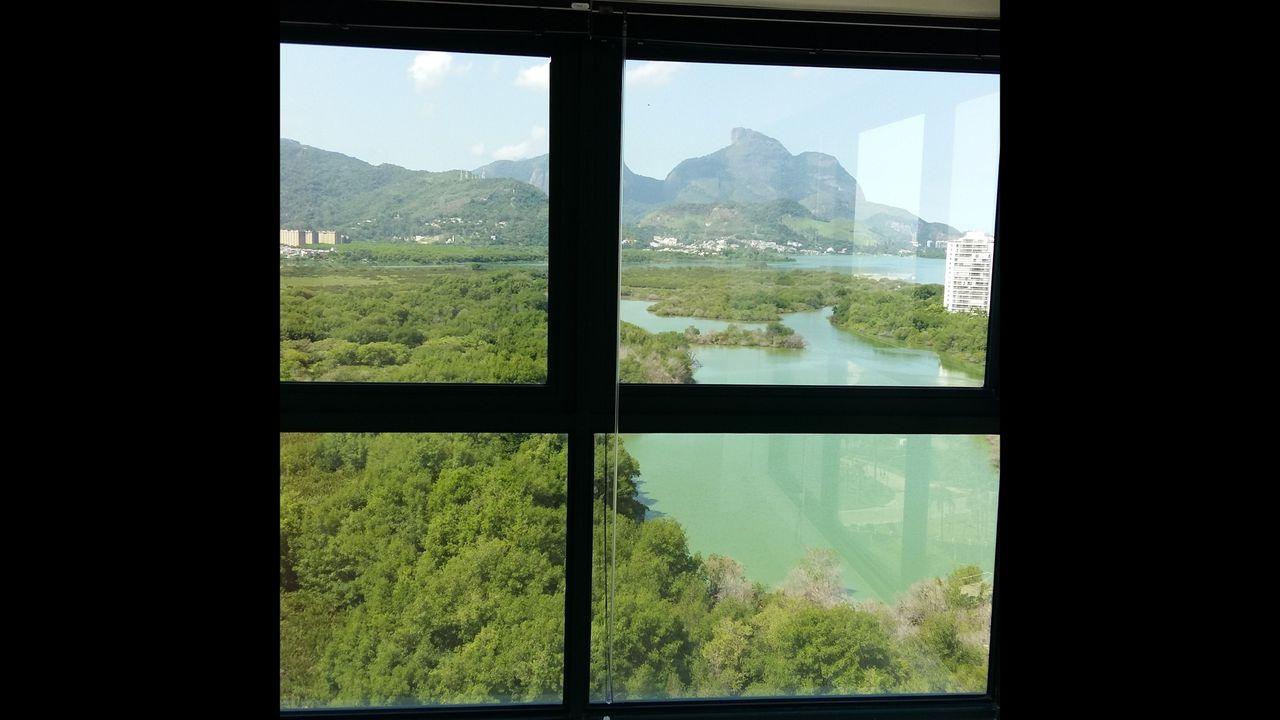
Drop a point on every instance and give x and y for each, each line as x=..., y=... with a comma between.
x=927, y=142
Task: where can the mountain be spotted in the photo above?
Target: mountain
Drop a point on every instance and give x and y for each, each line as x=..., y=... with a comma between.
x=535, y=171
x=703, y=196
x=532, y=170
x=753, y=192
x=756, y=168
x=325, y=190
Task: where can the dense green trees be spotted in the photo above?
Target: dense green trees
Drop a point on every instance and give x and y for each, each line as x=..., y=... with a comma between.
x=423, y=325
x=421, y=568
x=914, y=316
x=462, y=324
x=413, y=253
x=646, y=357
x=745, y=294
x=430, y=569
x=775, y=335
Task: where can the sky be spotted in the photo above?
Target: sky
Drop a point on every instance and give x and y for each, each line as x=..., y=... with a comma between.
x=924, y=141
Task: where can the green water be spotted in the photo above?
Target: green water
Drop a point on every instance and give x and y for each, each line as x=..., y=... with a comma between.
x=831, y=356
x=896, y=509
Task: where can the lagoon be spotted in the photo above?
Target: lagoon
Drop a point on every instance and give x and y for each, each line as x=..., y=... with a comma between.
x=831, y=357
x=896, y=508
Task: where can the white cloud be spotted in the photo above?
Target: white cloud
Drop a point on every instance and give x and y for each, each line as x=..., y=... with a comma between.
x=429, y=68
x=533, y=145
x=651, y=73
x=538, y=76
x=519, y=151
x=477, y=149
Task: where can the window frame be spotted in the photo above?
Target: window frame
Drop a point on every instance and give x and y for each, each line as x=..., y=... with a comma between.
x=588, y=50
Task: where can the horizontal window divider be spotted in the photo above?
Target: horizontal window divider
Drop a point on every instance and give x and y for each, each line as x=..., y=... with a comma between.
x=521, y=712
x=809, y=41
x=423, y=422
x=386, y=407
x=897, y=708
x=782, y=17
x=956, y=707
x=694, y=51
x=789, y=409
x=451, y=18
x=746, y=424
x=475, y=41
x=325, y=407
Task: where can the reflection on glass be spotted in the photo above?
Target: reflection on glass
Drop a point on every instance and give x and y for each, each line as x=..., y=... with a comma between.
x=789, y=565
x=421, y=569
x=850, y=212
x=413, y=216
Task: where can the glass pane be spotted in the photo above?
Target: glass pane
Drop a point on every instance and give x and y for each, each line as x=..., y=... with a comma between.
x=806, y=226
x=421, y=569
x=803, y=565
x=413, y=216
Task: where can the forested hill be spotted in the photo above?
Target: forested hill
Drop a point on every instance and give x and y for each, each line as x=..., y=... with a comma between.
x=753, y=190
x=324, y=190
x=536, y=171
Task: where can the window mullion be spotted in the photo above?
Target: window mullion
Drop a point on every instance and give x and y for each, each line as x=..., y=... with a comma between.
x=587, y=115
x=993, y=325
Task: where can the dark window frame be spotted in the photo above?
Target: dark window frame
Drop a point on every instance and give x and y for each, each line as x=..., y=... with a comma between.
x=588, y=49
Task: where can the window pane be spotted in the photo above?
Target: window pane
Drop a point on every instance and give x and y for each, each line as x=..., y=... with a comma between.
x=807, y=226
x=421, y=569
x=413, y=216
x=802, y=565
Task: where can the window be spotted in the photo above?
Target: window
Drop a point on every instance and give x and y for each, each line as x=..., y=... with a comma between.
x=410, y=560
x=416, y=507
x=411, y=251
x=799, y=251
x=800, y=565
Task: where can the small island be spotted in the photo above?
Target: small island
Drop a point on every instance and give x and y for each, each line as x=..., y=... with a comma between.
x=775, y=335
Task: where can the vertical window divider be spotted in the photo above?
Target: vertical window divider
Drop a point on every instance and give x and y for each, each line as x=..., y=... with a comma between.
x=586, y=112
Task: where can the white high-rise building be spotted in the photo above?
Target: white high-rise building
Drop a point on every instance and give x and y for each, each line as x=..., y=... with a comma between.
x=968, y=276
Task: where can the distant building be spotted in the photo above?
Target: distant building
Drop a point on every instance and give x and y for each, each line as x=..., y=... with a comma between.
x=968, y=273
x=304, y=238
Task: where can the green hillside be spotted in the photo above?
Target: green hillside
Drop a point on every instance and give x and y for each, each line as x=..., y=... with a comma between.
x=330, y=191
x=750, y=197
